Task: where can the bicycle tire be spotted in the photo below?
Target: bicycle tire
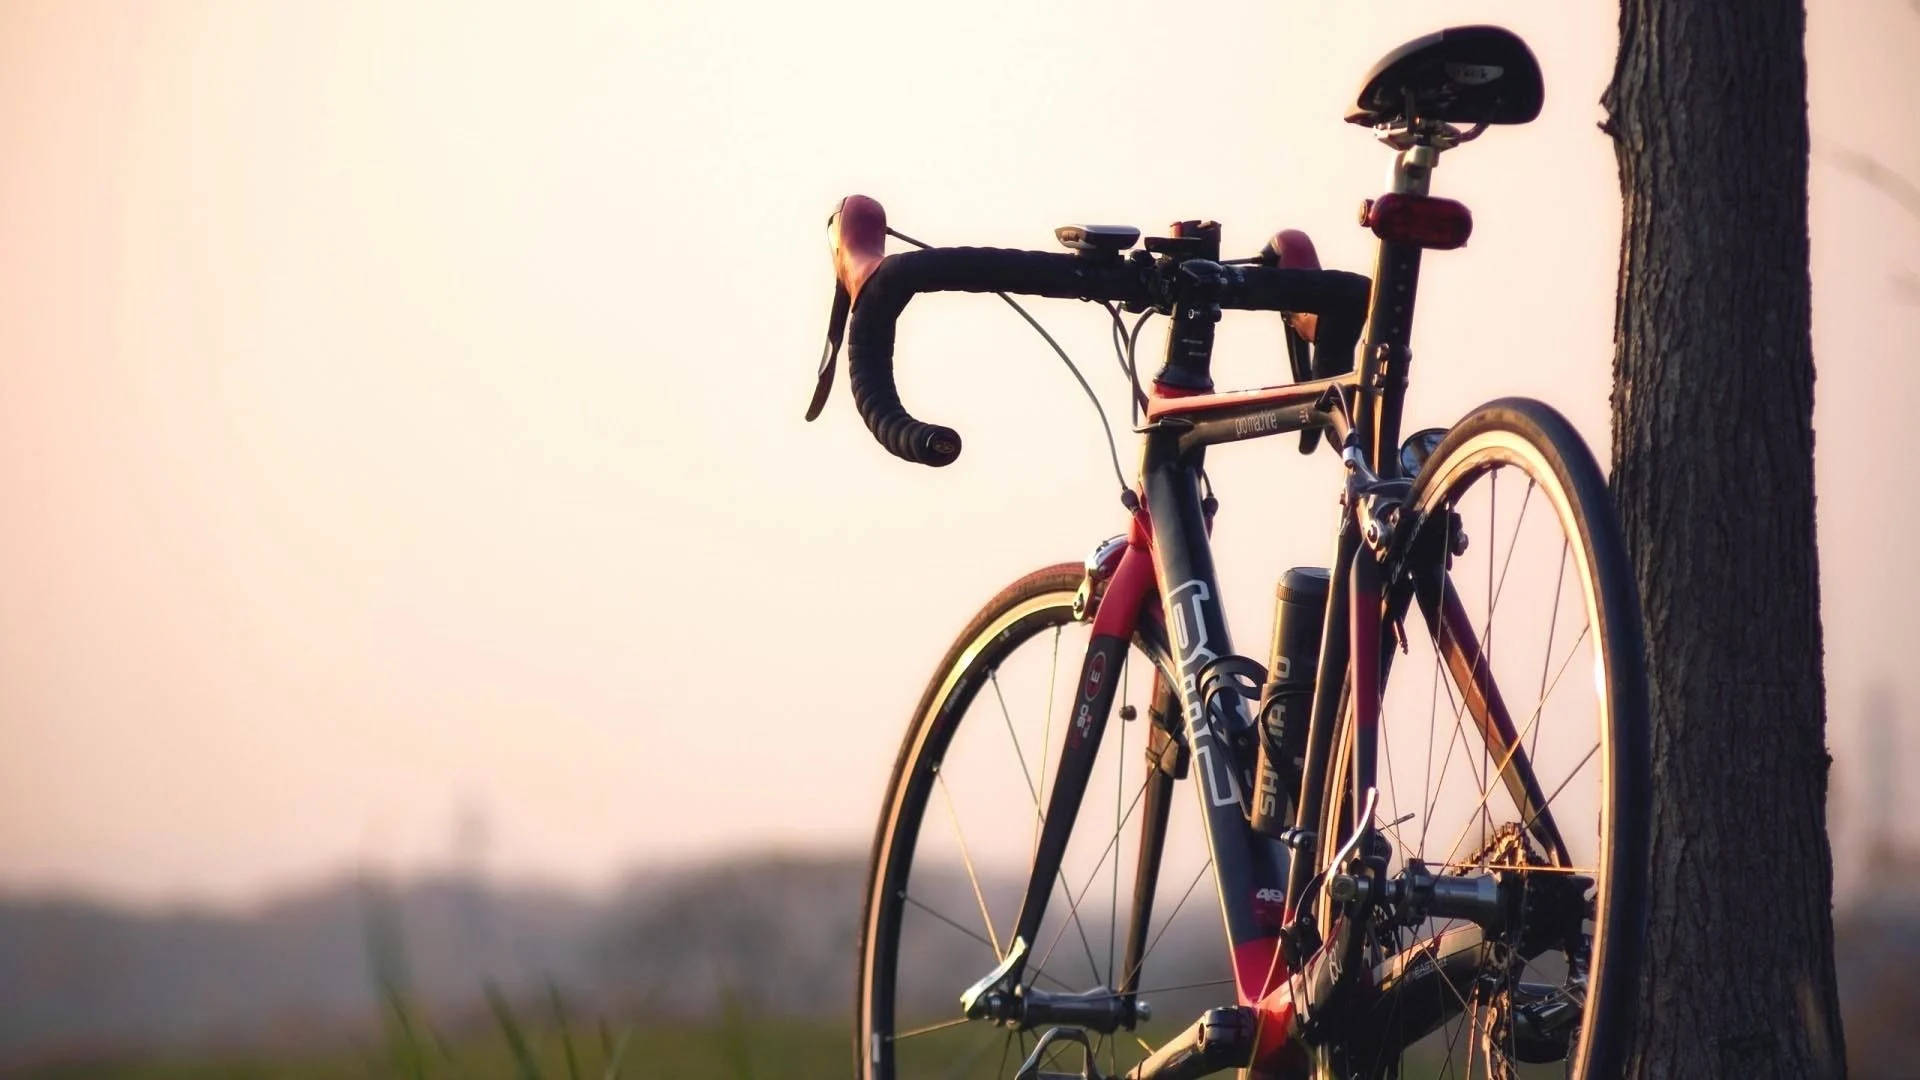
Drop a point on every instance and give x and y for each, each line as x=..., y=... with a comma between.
x=1016, y=615
x=1543, y=445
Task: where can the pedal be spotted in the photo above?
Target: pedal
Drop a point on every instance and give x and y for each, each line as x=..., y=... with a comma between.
x=1221, y=1039
x=1030, y=1068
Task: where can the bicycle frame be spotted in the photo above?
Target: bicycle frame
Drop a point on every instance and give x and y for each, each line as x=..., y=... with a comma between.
x=1167, y=555
x=1263, y=882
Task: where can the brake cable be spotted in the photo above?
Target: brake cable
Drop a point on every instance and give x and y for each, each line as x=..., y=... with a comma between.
x=1127, y=497
x=1123, y=346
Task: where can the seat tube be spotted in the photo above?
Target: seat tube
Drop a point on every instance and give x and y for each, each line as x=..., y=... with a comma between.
x=1386, y=358
x=1330, y=680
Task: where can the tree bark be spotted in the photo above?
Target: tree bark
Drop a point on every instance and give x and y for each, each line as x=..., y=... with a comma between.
x=1713, y=478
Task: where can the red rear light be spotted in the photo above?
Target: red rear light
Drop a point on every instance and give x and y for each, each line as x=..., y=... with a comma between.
x=1419, y=220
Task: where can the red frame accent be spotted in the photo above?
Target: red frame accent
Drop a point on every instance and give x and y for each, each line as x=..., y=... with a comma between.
x=1198, y=406
x=1162, y=390
x=1259, y=967
x=1130, y=584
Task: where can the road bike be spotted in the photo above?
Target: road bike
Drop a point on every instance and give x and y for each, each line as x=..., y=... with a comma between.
x=1414, y=876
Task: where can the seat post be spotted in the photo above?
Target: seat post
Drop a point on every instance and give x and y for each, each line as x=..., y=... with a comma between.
x=1413, y=169
x=1385, y=356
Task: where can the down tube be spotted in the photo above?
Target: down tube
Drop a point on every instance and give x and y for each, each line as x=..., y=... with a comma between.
x=1250, y=869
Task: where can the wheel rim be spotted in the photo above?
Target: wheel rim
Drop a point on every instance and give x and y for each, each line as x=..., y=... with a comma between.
x=1437, y=772
x=954, y=858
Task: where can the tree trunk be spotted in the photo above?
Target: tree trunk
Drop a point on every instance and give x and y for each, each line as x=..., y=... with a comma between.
x=1713, y=476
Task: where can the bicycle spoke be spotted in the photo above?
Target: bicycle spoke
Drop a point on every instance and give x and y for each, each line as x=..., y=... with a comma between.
x=1182, y=986
x=1453, y=1040
x=1572, y=651
x=929, y=1029
x=1393, y=788
x=1433, y=802
x=1432, y=946
x=923, y=906
x=1066, y=893
x=1486, y=638
x=1473, y=1025
x=1433, y=714
x=1392, y=826
x=1073, y=902
x=1151, y=945
x=1499, y=588
x=1531, y=725
x=1459, y=707
x=1484, y=782
x=1513, y=542
x=1430, y=949
x=967, y=1062
x=1482, y=652
x=1563, y=786
x=1553, y=624
x=1393, y=1014
x=967, y=860
x=1046, y=735
x=1457, y=739
x=1517, y=868
x=1039, y=816
x=1145, y=990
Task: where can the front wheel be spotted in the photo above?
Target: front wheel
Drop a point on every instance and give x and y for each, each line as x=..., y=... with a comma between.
x=1512, y=751
x=956, y=840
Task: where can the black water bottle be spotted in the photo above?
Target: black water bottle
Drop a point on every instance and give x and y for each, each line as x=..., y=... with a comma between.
x=1286, y=701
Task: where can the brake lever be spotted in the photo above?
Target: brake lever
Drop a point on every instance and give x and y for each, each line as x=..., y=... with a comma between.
x=830, y=352
x=857, y=236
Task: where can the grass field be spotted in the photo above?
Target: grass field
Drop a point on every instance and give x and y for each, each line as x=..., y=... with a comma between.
x=730, y=1047
x=710, y=1051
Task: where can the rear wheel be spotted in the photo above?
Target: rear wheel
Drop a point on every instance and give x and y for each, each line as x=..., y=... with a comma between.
x=1513, y=746
x=955, y=846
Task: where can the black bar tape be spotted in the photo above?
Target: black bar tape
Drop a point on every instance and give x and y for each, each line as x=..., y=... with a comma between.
x=899, y=277
x=1338, y=297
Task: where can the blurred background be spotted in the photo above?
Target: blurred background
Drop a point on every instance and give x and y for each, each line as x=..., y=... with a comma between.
x=416, y=577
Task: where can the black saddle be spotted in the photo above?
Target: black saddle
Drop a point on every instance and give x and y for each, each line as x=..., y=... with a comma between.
x=1466, y=75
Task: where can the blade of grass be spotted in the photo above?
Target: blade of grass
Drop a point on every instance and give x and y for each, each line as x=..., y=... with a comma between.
x=616, y=1051
x=402, y=1040
x=566, y=1037
x=516, y=1042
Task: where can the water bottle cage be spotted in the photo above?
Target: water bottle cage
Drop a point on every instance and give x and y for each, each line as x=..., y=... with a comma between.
x=1237, y=675
x=1241, y=677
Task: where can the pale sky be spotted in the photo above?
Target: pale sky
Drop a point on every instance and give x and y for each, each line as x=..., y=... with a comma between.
x=400, y=405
